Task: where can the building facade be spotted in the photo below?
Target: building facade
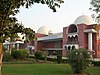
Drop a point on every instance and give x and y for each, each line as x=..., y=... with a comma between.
x=82, y=33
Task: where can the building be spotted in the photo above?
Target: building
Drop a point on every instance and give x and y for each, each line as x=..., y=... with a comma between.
x=82, y=33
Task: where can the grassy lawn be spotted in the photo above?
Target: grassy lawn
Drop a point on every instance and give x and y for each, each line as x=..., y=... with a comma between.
x=36, y=69
x=43, y=69
x=93, y=70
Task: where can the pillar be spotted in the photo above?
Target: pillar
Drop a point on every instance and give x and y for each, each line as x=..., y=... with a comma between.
x=18, y=46
x=90, y=41
x=90, y=44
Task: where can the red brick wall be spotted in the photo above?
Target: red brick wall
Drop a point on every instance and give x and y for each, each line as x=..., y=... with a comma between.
x=65, y=34
x=86, y=40
x=94, y=41
x=49, y=45
x=81, y=35
x=97, y=53
x=52, y=44
x=39, y=35
x=61, y=43
x=40, y=45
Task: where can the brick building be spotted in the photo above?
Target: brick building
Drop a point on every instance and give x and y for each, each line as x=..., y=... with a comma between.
x=82, y=33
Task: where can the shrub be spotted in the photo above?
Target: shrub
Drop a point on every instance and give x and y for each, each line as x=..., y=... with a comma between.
x=52, y=59
x=4, y=48
x=59, y=59
x=38, y=55
x=59, y=56
x=7, y=57
x=96, y=63
x=19, y=54
x=78, y=59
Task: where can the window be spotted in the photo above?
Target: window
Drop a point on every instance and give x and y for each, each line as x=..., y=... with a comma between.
x=72, y=28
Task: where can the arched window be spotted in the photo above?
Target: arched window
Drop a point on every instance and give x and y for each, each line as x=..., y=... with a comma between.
x=72, y=28
x=76, y=39
x=69, y=47
x=73, y=47
x=65, y=47
x=69, y=40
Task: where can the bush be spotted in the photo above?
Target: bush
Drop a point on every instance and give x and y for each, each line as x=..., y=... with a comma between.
x=59, y=57
x=7, y=57
x=78, y=59
x=52, y=59
x=19, y=54
x=38, y=55
x=96, y=63
x=4, y=48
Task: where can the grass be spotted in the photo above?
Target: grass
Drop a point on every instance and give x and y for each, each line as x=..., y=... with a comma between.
x=36, y=69
x=43, y=69
x=93, y=70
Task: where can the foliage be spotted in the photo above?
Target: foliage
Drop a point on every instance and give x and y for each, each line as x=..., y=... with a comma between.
x=59, y=57
x=95, y=6
x=9, y=8
x=12, y=6
x=38, y=55
x=4, y=49
x=29, y=34
x=96, y=63
x=52, y=59
x=7, y=57
x=19, y=54
x=12, y=30
x=78, y=59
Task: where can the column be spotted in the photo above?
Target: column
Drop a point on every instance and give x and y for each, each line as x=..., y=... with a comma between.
x=90, y=44
x=90, y=41
x=17, y=46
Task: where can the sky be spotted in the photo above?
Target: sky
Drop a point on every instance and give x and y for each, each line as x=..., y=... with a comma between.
x=40, y=15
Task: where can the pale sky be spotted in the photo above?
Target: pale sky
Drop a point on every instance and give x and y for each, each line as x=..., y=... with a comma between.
x=40, y=15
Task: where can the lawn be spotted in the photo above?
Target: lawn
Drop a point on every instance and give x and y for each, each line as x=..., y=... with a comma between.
x=43, y=69
x=36, y=69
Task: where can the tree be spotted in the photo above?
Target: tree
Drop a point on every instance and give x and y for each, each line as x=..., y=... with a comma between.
x=10, y=31
x=29, y=34
x=78, y=59
x=9, y=8
x=29, y=38
x=95, y=6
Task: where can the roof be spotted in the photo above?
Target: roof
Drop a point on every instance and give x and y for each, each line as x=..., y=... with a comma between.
x=51, y=37
x=84, y=19
x=43, y=30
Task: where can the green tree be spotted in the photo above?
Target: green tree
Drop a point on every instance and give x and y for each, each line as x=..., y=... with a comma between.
x=9, y=8
x=10, y=31
x=29, y=37
x=95, y=6
x=29, y=34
